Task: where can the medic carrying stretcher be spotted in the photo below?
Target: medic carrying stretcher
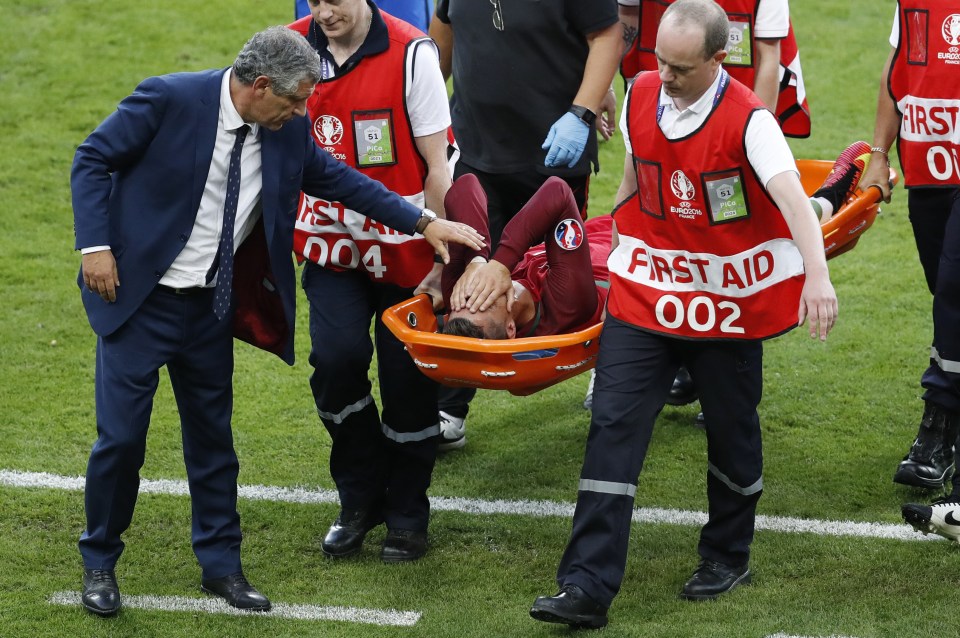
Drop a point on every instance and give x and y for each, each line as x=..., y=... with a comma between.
x=528, y=364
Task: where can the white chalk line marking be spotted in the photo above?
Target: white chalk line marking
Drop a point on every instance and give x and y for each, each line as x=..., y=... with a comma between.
x=382, y=617
x=792, y=636
x=302, y=495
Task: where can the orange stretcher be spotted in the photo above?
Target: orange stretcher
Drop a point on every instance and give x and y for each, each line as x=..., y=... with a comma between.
x=527, y=365
x=842, y=232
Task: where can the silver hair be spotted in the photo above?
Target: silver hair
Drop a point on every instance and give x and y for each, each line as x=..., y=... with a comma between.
x=705, y=14
x=281, y=54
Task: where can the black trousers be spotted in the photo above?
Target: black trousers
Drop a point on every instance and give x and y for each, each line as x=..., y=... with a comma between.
x=935, y=217
x=634, y=372
x=379, y=463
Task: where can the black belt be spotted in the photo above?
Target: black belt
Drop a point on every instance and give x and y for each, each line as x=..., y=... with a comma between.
x=193, y=290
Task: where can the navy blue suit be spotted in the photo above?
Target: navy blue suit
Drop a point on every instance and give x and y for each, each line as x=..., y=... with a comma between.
x=137, y=181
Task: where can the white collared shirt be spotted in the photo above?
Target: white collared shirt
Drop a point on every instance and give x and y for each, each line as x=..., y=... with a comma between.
x=767, y=149
x=194, y=261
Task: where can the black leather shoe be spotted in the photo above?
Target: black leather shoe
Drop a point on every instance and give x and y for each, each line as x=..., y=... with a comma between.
x=683, y=390
x=101, y=595
x=712, y=579
x=401, y=545
x=236, y=591
x=345, y=536
x=570, y=606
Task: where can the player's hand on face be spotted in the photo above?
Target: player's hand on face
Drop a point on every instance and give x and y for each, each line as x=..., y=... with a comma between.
x=490, y=282
x=459, y=295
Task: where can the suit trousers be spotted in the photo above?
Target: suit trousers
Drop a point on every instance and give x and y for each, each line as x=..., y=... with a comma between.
x=381, y=464
x=635, y=370
x=182, y=333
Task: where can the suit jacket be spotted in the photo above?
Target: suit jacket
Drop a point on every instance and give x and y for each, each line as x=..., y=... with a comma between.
x=137, y=181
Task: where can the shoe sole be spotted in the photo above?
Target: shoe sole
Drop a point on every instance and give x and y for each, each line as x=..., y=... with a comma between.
x=256, y=608
x=100, y=612
x=391, y=560
x=576, y=622
x=684, y=400
x=743, y=580
x=347, y=554
x=912, y=480
x=453, y=445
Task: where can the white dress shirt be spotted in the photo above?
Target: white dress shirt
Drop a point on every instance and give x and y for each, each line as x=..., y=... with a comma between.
x=194, y=261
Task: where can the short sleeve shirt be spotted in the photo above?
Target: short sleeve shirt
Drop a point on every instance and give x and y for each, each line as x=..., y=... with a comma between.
x=517, y=65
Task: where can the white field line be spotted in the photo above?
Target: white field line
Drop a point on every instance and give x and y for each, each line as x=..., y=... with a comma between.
x=383, y=617
x=792, y=636
x=655, y=515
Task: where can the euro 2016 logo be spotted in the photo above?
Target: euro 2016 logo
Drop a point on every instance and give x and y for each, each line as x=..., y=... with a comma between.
x=951, y=29
x=328, y=129
x=681, y=186
x=568, y=234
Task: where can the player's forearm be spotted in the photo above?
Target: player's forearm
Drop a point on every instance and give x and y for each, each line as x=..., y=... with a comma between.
x=534, y=223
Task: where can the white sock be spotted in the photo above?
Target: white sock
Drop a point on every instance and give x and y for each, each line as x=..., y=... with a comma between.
x=823, y=208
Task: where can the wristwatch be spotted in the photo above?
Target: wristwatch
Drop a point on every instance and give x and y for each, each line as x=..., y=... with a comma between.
x=426, y=216
x=587, y=116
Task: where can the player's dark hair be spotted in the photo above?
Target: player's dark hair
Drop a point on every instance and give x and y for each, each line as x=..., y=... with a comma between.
x=462, y=327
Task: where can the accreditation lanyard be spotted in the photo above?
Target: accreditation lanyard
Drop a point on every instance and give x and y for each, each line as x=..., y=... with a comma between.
x=724, y=80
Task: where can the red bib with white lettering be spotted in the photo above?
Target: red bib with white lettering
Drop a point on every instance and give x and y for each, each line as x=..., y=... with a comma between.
x=704, y=253
x=925, y=83
x=361, y=119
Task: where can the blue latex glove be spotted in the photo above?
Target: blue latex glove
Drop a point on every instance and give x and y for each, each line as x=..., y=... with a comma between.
x=566, y=140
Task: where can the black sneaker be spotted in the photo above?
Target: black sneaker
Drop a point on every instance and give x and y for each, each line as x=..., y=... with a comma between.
x=842, y=181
